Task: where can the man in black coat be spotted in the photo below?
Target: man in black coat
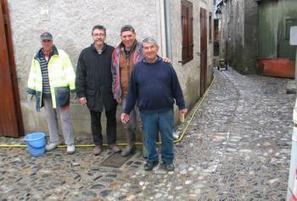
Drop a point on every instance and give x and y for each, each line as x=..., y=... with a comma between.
x=94, y=88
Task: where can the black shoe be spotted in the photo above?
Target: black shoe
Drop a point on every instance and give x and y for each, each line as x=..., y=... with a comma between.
x=168, y=167
x=148, y=166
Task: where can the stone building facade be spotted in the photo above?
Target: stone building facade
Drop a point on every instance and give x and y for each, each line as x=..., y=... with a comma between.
x=256, y=30
x=239, y=34
x=71, y=22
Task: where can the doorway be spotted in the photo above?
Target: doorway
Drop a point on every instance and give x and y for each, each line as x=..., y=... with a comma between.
x=11, y=123
x=203, y=51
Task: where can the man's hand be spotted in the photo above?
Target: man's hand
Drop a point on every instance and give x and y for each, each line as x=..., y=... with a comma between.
x=82, y=100
x=119, y=100
x=166, y=60
x=124, y=118
x=182, y=114
x=183, y=111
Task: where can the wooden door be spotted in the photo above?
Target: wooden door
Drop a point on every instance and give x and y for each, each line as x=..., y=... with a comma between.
x=10, y=113
x=203, y=51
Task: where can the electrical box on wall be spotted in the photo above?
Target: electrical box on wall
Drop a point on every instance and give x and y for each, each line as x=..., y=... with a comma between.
x=293, y=35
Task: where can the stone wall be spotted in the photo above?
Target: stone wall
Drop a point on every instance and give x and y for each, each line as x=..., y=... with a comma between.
x=251, y=30
x=239, y=31
x=71, y=22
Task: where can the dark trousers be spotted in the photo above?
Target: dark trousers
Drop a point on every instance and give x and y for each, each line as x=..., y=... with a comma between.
x=111, y=126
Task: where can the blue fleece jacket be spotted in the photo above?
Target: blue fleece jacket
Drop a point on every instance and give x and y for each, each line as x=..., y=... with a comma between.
x=154, y=86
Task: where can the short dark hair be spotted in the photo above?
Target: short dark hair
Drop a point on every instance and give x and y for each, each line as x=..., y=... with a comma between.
x=99, y=27
x=127, y=28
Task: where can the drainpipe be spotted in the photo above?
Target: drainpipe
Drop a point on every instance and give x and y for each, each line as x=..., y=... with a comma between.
x=167, y=13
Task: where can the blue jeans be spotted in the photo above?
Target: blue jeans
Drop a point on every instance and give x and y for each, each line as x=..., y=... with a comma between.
x=153, y=123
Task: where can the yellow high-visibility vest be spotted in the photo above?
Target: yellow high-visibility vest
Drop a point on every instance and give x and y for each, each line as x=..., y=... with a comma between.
x=60, y=74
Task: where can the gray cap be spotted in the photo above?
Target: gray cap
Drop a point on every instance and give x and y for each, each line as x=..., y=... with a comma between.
x=46, y=36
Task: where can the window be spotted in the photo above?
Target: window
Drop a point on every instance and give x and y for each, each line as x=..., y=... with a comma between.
x=210, y=27
x=187, y=31
x=216, y=44
x=289, y=23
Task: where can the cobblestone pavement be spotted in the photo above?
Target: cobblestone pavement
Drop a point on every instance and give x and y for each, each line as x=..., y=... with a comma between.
x=237, y=147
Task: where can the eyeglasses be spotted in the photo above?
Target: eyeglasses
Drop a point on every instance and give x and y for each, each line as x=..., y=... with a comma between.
x=46, y=41
x=99, y=34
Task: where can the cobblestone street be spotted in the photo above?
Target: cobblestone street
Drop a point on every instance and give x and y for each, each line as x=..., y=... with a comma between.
x=237, y=147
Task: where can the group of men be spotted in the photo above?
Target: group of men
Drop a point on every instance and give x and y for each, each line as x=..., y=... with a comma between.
x=130, y=73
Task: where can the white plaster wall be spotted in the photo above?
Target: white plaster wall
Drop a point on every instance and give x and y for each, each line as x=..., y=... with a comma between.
x=189, y=73
x=71, y=22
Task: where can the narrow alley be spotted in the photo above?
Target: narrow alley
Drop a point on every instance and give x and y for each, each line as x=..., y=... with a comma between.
x=237, y=147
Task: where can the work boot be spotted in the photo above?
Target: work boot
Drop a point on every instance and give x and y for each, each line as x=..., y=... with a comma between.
x=128, y=150
x=114, y=148
x=97, y=150
x=149, y=165
x=51, y=146
x=169, y=167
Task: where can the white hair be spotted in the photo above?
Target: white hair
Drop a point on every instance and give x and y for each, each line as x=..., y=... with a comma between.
x=150, y=40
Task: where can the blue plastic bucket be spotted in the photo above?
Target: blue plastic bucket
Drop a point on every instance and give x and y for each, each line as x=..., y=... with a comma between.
x=35, y=143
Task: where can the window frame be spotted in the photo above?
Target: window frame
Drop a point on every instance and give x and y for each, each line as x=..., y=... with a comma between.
x=187, y=31
x=210, y=37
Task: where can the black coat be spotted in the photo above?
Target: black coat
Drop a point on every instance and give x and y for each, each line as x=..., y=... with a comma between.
x=94, y=78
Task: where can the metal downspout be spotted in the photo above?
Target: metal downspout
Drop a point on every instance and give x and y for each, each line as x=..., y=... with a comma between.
x=168, y=28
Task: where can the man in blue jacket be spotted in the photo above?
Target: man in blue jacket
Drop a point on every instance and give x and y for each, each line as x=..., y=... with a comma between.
x=155, y=87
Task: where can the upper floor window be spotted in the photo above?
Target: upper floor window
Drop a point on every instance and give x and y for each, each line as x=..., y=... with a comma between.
x=187, y=30
x=210, y=27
